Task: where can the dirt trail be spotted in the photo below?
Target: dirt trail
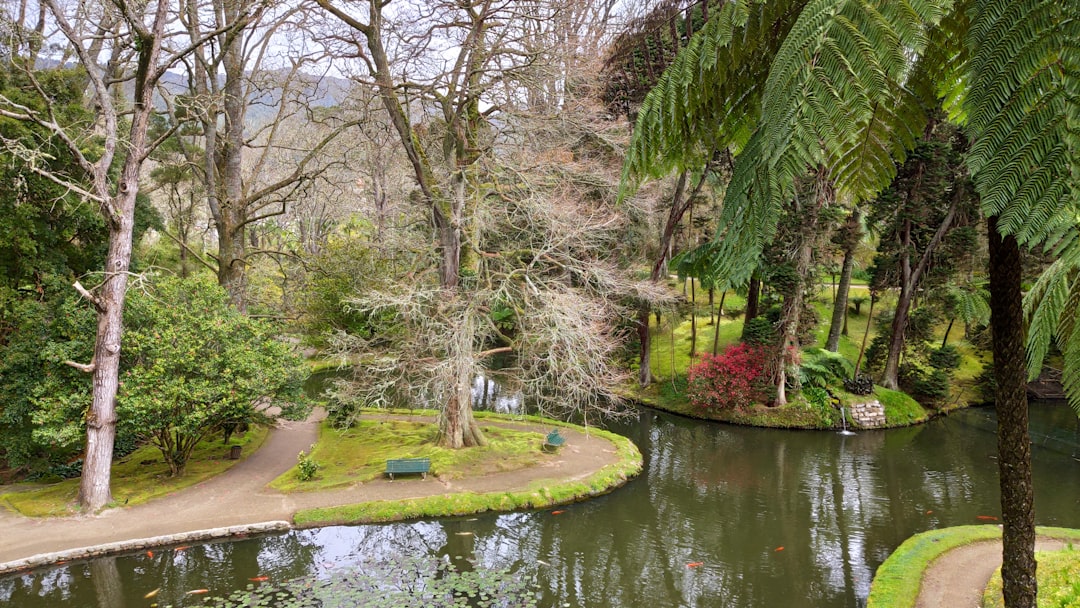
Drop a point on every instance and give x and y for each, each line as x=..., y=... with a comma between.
x=958, y=578
x=240, y=496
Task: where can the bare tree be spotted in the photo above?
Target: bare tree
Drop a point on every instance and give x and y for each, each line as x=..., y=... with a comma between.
x=455, y=119
x=253, y=77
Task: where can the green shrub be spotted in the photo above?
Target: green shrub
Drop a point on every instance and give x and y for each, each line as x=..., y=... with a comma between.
x=306, y=466
x=822, y=368
x=759, y=330
x=946, y=358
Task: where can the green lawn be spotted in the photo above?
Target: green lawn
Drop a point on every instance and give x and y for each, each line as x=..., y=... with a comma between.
x=137, y=478
x=360, y=452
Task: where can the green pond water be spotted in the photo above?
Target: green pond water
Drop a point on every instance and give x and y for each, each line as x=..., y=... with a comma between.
x=769, y=518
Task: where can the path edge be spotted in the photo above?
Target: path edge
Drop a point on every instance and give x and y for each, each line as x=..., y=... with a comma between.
x=138, y=544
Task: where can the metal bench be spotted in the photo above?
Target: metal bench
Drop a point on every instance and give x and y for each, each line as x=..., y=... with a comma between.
x=554, y=440
x=402, y=466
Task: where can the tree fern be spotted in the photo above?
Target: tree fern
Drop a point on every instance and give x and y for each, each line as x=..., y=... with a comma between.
x=708, y=97
x=1022, y=111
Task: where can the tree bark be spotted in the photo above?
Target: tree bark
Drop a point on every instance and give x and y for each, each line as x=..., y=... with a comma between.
x=1014, y=443
x=840, y=302
x=645, y=343
x=753, y=297
x=909, y=282
x=119, y=212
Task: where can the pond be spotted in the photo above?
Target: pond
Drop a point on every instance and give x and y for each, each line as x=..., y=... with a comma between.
x=764, y=517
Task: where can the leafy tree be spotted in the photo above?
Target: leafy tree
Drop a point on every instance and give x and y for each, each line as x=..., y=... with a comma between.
x=191, y=364
x=194, y=363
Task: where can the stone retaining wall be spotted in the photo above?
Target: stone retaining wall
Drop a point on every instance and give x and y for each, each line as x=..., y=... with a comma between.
x=868, y=415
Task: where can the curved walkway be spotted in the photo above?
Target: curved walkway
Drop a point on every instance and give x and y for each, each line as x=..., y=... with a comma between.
x=959, y=577
x=239, y=497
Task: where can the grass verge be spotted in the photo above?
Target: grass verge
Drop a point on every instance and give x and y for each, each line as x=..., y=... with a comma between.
x=137, y=478
x=896, y=584
x=539, y=495
x=1058, y=579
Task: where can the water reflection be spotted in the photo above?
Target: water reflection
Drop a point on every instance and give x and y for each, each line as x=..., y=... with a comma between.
x=722, y=516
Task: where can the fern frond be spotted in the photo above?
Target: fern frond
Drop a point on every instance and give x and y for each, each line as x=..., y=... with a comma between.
x=708, y=98
x=1044, y=306
x=1022, y=111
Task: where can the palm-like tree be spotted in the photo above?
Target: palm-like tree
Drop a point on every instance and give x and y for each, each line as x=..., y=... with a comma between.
x=843, y=85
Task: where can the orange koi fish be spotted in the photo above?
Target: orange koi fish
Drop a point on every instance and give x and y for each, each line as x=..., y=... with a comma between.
x=695, y=564
x=559, y=512
x=259, y=579
x=150, y=554
x=778, y=549
x=197, y=592
x=986, y=517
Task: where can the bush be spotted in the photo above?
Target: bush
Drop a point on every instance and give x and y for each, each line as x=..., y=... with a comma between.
x=306, y=467
x=732, y=379
x=946, y=358
x=934, y=386
x=758, y=331
x=823, y=368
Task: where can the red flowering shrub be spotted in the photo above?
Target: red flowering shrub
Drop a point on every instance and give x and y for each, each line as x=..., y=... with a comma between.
x=732, y=379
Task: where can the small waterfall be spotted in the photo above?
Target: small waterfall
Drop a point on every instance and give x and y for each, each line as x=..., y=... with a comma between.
x=843, y=423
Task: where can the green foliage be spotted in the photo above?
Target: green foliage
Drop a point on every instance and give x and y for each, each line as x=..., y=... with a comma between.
x=820, y=401
x=349, y=264
x=193, y=363
x=759, y=331
x=821, y=368
x=946, y=358
x=400, y=582
x=900, y=408
x=306, y=466
x=1058, y=579
x=190, y=364
x=896, y=584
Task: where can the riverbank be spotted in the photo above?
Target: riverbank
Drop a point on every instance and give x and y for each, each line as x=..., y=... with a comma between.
x=238, y=502
x=900, y=409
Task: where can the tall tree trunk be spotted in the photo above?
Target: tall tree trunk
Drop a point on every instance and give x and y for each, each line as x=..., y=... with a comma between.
x=1014, y=443
x=753, y=297
x=948, y=328
x=865, y=335
x=716, y=330
x=909, y=282
x=791, y=310
x=645, y=342
x=119, y=212
x=839, y=314
x=693, y=319
x=231, y=232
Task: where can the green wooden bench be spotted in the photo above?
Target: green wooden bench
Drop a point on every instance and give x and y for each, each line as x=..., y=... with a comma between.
x=554, y=440
x=402, y=466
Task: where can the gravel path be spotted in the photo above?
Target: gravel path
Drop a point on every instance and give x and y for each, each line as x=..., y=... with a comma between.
x=240, y=496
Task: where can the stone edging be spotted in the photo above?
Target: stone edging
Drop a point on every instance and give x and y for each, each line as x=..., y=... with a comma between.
x=126, y=546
